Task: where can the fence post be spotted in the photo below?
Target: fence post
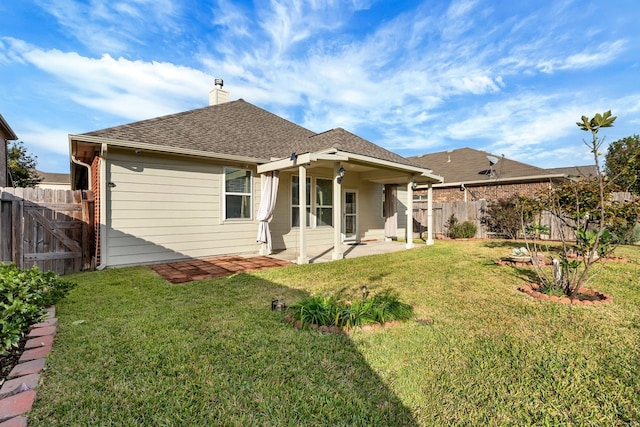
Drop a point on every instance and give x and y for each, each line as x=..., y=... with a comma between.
x=17, y=225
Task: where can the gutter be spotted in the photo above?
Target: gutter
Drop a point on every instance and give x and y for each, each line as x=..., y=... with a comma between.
x=164, y=149
x=501, y=180
x=78, y=162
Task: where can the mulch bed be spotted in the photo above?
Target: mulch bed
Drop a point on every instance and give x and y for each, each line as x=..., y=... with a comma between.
x=9, y=361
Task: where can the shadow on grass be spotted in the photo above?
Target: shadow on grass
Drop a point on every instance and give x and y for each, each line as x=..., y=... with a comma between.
x=202, y=353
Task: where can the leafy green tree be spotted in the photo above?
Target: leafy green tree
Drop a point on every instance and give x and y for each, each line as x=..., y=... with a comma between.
x=22, y=166
x=586, y=208
x=623, y=163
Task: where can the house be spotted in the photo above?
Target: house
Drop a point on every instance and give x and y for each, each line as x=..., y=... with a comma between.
x=471, y=174
x=6, y=135
x=225, y=179
x=54, y=181
x=576, y=172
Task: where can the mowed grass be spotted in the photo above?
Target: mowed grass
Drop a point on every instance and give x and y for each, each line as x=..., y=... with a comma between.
x=134, y=350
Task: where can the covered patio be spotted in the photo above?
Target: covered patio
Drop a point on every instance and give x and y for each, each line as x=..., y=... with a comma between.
x=352, y=168
x=348, y=250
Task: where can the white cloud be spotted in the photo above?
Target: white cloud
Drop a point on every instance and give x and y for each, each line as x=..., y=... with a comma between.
x=603, y=55
x=130, y=89
x=111, y=26
x=46, y=139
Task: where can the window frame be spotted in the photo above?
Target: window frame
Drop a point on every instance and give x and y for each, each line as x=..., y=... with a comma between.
x=312, y=208
x=318, y=206
x=226, y=193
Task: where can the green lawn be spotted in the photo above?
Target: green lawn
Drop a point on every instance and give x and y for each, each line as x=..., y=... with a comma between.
x=134, y=350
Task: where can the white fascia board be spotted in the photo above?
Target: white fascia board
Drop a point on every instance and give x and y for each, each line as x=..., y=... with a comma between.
x=300, y=159
x=163, y=149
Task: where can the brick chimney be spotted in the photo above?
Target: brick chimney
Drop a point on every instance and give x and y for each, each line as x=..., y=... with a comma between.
x=217, y=94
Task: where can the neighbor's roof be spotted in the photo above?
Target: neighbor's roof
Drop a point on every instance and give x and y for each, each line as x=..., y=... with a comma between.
x=466, y=165
x=236, y=128
x=6, y=130
x=54, y=178
x=576, y=171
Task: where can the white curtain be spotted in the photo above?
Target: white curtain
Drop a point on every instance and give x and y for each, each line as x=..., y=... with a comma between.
x=265, y=211
x=390, y=202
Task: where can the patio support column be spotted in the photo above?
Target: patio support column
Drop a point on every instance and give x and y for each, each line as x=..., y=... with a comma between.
x=302, y=194
x=430, y=214
x=337, y=214
x=409, y=227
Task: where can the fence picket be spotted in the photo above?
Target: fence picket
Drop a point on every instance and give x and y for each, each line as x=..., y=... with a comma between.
x=51, y=229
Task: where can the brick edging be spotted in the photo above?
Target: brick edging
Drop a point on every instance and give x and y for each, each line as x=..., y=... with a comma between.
x=18, y=391
x=532, y=290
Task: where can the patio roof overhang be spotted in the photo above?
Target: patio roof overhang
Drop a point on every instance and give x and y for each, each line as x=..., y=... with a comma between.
x=370, y=168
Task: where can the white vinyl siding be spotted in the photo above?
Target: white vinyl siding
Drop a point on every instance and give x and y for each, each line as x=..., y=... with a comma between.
x=164, y=208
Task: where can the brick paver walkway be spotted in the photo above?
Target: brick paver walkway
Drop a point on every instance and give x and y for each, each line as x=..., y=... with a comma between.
x=199, y=269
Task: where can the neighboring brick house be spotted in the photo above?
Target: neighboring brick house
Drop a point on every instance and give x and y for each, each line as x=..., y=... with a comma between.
x=6, y=135
x=471, y=175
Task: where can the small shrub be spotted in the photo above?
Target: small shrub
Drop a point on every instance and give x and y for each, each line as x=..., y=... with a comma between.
x=23, y=296
x=464, y=230
x=506, y=216
x=332, y=311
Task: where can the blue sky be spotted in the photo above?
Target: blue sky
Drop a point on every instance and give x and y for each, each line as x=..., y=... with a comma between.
x=509, y=77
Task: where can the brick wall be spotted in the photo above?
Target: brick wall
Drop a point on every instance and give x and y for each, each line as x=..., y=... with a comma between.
x=487, y=192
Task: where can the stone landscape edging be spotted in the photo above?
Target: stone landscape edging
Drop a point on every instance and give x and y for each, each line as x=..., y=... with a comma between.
x=531, y=289
x=18, y=391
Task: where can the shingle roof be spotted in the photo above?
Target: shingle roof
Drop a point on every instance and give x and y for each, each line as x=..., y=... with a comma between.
x=241, y=129
x=232, y=128
x=343, y=140
x=576, y=171
x=469, y=165
x=52, y=177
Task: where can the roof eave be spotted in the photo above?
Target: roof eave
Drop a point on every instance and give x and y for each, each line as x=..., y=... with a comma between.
x=532, y=178
x=426, y=174
x=332, y=154
x=163, y=149
x=6, y=129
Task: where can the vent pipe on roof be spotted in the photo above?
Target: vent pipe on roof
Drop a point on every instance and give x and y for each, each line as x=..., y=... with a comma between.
x=217, y=94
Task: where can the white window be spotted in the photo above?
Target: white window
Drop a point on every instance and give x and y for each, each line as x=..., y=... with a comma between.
x=321, y=204
x=295, y=201
x=237, y=193
x=324, y=202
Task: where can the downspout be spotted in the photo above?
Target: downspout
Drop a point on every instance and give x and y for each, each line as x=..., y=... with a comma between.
x=102, y=182
x=78, y=162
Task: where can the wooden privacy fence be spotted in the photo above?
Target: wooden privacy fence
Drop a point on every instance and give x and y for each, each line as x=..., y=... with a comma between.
x=463, y=211
x=50, y=229
x=472, y=211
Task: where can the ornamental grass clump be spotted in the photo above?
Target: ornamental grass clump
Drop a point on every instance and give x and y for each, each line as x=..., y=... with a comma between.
x=337, y=312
